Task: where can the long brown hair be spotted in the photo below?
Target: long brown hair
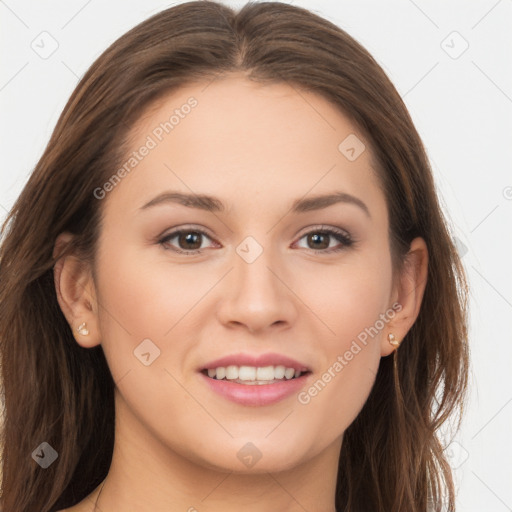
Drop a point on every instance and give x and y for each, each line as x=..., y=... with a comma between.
x=58, y=392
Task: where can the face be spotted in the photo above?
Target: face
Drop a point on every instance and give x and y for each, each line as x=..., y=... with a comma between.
x=262, y=275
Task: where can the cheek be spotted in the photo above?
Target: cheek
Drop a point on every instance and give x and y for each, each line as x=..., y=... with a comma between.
x=146, y=297
x=352, y=301
x=143, y=296
x=349, y=297
x=334, y=399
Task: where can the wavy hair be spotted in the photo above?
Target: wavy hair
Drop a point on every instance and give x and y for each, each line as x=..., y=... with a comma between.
x=391, y=458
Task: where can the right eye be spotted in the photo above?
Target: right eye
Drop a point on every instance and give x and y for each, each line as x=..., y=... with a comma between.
x=188, y=239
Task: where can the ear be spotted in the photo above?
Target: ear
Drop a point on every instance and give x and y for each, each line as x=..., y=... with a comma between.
x=407, y=294
x=76, y=293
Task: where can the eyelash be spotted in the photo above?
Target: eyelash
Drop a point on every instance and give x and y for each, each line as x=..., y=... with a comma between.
x=340, y=235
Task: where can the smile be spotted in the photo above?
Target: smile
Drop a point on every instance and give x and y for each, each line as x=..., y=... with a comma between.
x=253, y=375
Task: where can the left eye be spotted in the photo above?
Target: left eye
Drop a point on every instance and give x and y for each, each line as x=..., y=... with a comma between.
x=321, y=238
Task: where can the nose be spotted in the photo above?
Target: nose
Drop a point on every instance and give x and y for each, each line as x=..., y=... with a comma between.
x=257, y=296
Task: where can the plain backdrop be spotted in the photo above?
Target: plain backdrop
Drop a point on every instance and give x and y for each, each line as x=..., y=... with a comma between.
x=451, y=62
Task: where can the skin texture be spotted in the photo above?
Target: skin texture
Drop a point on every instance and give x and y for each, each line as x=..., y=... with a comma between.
x=257, y=148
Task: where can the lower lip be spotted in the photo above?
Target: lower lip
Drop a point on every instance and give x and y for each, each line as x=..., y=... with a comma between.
x=258, y=394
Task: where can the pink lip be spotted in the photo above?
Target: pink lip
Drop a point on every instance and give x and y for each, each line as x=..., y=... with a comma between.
x=256, y=395
x=269, y=359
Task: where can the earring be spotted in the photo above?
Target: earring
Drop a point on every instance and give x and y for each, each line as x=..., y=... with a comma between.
x=393, y=341
x=82, y=329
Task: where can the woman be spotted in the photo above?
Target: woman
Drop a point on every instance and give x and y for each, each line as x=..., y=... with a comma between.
x=228, y=282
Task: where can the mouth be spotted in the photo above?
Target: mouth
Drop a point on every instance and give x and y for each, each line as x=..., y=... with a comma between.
x=255, y=380
x=253, y=391
x=254, y=375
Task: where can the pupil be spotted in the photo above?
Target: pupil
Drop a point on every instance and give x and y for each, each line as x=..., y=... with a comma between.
x=316, y=237
x=189, y=238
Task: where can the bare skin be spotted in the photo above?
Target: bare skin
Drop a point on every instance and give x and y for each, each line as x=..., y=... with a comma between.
x=258, y=149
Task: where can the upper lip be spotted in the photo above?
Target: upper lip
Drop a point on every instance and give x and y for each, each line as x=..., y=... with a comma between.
x=261, y=360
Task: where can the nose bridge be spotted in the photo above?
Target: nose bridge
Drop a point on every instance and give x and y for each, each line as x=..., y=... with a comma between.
x=255, y=296
x=252, y=271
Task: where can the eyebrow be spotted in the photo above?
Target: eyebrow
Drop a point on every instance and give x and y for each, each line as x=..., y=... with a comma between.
x=213, y=204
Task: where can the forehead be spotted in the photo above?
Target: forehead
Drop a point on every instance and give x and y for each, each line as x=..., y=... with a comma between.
x=243, y=140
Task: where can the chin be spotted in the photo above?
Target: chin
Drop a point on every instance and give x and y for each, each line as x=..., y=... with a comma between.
x=244, y=456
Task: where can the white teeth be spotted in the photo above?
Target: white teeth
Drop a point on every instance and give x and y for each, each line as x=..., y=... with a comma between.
x=265, y=373
x=232, y=372
x=279, y=372
x=247, y=373
x=289, y=373
x=252, y=374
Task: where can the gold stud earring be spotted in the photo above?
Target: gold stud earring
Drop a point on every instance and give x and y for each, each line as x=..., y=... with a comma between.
x=82, y=329
x=393, y=341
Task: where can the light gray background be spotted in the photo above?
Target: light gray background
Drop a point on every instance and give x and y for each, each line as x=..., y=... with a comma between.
x=461, y=104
